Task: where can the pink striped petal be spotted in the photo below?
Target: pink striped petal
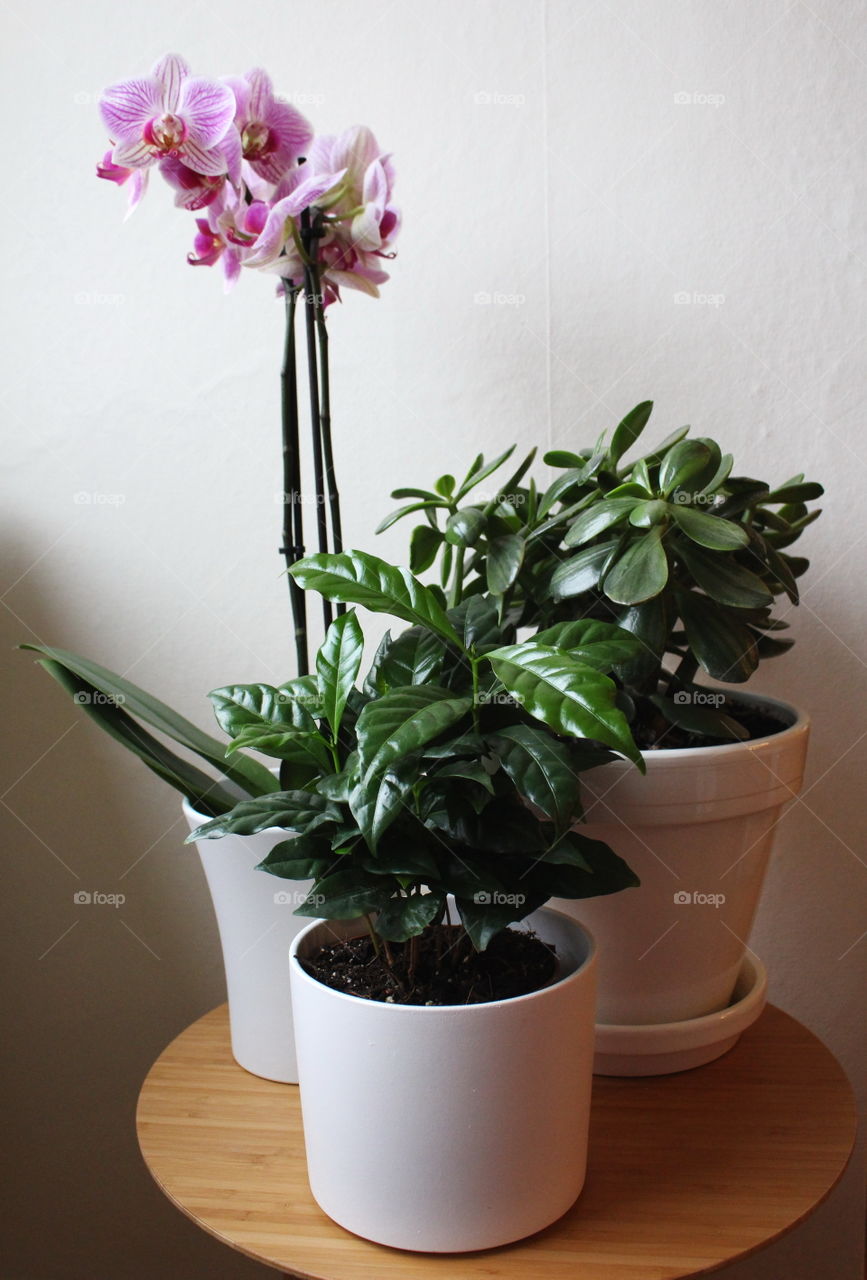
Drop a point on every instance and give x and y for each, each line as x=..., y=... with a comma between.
x=231, y=150
x=170, y=73
x=137, y=189
x=133, y=155
x=375, y=188
x=261, y=94
x=210, y=162
x=355, y=149
x=241, y=90
x=208, y=109
x=125, y=108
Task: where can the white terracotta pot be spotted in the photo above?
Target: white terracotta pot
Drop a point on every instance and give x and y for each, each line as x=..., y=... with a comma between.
x=447, y=1128
x=255, y=916
x=697, y=829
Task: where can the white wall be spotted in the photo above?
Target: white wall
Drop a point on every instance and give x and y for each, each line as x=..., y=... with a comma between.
x=583, y=184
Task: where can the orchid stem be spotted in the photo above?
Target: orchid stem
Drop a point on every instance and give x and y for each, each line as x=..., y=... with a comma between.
x=310, y=305
x=325, y=420
x=293, y=516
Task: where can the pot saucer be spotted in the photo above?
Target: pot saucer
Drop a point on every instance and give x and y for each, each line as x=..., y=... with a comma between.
x=661, y=1048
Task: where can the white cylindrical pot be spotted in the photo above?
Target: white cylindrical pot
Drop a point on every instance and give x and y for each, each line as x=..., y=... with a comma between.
x=257, y=924
x=697, y=829
x=447, y=1128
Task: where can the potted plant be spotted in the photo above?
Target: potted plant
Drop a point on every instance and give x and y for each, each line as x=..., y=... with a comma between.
x=441, y=811
x=316, y=214
x=693, y=562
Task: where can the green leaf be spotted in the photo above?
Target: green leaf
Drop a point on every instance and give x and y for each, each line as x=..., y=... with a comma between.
x=206, y=794
x=404, y=918
x=413, y=657
x=641, y=572
x=251, y=776
x=424, y=494
x=242, y=706
x=650, y=624
x=302, y=811
x=600, y=644
x=580, y=867
x=505, y=556
x=477, y=475
x=345, y=895
x=403, y=721
x=598, y=518
x=424, y=544
x=354, y=577
x=705, y=720
x=408, y=510
x=376, y=800
x=710, y=531
x=582, y=572
x=304, y=857
x=567, y=695
x=563, y=458
x=298, y=746
x=685, y=464
x=644, y=515
x=337, y=666
x=658, y=453
x=628, y=431
x=477, y=620
x=723, y=579
x=541, y=769
x=807, y=492
x=724, y=647
x=483, y=918
x=464, y=528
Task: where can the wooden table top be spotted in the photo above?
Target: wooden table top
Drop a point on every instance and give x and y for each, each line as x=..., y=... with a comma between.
x=686, y=1173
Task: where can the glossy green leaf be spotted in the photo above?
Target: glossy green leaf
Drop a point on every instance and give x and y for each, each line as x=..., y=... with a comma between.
x=641, y=572
x=569, y=696
x=723, y=646
x=710, y=531
x=408, y=510
x=354, y=577
x=464, y=528
x=264, y=706
x=541, y=769
x=581, y=572
x=628, y=431
x=686, y=713
x=377, y=799
x=723, y=579
x=302, y=811
x=644, y=515
x=303, y=857
x=504, y=558
x=343, y=895
x=424, y=544
x=484, y=917
x=337, y=665
x=600, y=644
x=413, y=657
x=477, y=475
x=403, y=918
x=596, y=519
x=298, y=746
x=403, y=721
x=685, y=464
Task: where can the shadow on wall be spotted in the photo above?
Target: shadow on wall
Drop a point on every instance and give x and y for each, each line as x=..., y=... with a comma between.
x=94, y=989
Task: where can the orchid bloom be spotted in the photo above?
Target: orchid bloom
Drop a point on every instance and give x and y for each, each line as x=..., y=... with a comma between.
x=194, y=190
x=274, y=135
x=170, y=114
x=228, y=232
x=106, y=168
x=277, y=234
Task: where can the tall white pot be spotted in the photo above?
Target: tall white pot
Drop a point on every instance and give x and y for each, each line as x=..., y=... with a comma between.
x=697, y=829
x=447, y=1128
x=255, y=916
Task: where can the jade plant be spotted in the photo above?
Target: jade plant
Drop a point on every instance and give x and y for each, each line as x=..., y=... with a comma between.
x=451, y=769
x=672, y=547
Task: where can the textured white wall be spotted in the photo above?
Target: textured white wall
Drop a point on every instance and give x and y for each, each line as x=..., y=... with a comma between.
x=589, y=161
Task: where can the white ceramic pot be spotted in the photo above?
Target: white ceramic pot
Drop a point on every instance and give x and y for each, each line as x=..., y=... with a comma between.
x=255, y=916
x=447, y=1128
x=697, y=829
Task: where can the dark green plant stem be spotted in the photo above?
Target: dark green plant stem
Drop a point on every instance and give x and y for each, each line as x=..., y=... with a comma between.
x=293, y=519
x=308, y=237
x=325, y=422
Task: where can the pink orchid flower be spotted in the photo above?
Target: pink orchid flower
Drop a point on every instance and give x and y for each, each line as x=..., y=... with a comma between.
x=277, y=233
x=274, y=135
x=228, y=232
x=171, y=114
x=106, y=168
x=194, y=190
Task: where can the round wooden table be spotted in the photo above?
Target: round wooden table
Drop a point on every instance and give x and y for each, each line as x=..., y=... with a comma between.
x=687, y=1172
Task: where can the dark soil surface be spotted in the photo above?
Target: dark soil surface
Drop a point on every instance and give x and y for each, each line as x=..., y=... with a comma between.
x=438, y=967
x=653, y=732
